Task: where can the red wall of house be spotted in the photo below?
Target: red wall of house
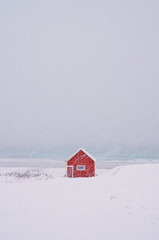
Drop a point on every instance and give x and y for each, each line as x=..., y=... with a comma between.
x=81, y=158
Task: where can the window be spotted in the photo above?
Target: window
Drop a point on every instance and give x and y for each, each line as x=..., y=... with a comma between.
x=80, y=167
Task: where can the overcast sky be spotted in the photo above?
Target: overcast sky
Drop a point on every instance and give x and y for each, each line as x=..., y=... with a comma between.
x=79, y=73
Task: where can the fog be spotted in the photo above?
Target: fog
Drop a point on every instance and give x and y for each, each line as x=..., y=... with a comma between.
x=79, y=73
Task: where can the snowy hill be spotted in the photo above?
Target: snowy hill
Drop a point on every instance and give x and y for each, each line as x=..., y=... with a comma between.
x=122, y=203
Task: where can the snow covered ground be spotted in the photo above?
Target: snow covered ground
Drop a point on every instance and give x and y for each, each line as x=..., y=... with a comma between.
x=38, y=204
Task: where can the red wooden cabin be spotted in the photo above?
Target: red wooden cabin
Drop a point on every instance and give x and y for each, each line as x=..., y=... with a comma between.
x=81, y=164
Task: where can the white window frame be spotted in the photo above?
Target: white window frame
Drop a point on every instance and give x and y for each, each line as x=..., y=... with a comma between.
x=84, y=167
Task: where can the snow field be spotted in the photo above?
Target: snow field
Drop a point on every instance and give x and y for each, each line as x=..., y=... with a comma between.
x=122, y=203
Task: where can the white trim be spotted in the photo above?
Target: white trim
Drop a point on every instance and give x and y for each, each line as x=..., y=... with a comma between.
x=80, y=169
x=72, y=170
x=88, y=154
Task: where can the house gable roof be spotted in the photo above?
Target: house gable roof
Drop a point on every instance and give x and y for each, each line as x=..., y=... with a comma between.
x=83, y=150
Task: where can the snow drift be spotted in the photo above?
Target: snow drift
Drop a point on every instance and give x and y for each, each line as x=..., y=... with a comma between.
x=122, y=203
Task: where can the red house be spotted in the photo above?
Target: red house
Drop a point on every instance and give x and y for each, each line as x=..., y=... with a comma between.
x=81, y=164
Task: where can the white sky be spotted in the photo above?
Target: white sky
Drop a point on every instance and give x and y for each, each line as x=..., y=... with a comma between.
x=79, y=73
